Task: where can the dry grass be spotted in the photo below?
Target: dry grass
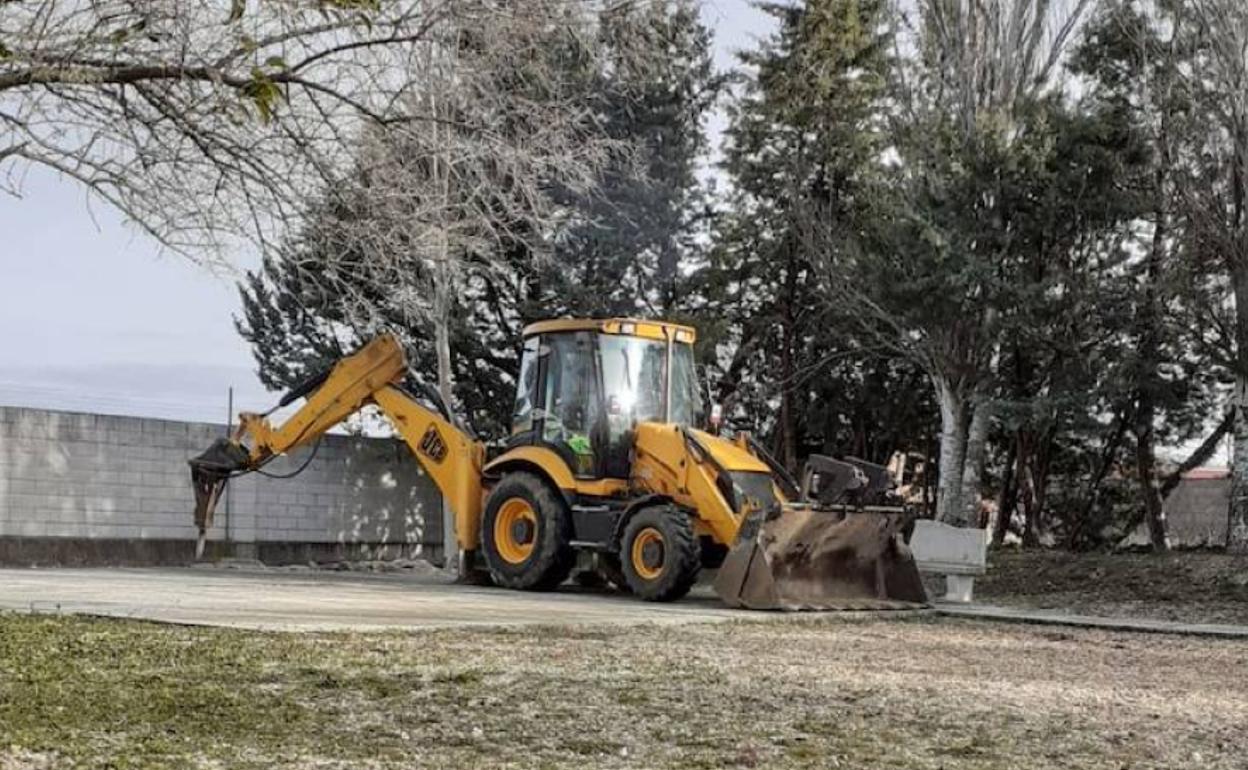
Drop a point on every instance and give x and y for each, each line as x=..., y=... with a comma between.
x=836, y=693
x=1193, y=586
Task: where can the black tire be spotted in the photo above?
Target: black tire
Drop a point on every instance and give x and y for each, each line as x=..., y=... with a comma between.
x=674, y=560
x=551, y=558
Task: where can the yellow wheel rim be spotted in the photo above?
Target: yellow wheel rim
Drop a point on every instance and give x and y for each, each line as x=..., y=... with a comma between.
x=515, y=530
x=653, y=539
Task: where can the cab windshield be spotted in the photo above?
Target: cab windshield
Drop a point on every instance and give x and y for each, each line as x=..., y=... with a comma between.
x=634, y=380
x=597, y=388
x=633, y=377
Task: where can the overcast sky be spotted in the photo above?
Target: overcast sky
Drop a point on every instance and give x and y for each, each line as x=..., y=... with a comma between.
x=96, y=319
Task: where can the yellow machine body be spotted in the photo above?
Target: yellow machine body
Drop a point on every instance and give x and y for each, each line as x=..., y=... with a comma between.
x=664, y=466
x=604, y=460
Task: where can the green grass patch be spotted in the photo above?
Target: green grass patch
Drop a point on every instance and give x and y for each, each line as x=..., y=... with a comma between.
x=108, y=694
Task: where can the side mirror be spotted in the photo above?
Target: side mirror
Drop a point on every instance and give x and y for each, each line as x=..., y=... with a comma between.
x=717, y=416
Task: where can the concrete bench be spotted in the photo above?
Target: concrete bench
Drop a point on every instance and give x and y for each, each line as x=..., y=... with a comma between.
x=957, y=553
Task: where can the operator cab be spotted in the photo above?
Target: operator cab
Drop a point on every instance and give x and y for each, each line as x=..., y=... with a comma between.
x=585, y=384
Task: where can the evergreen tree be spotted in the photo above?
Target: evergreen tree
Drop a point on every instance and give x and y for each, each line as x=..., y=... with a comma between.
x=924, y=278
x=803, y=134
x=1132, y=57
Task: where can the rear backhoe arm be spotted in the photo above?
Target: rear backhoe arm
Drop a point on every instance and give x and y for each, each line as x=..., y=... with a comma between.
x=450, y=456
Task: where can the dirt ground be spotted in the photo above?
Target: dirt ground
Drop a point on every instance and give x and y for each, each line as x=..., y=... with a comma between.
x=900, y=693
x=1192, y=586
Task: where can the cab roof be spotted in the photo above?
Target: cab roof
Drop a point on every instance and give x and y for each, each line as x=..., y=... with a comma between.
x=630, y=327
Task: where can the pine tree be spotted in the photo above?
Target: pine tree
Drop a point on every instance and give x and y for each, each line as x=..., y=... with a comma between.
x=803, y=134
x=1132, y=56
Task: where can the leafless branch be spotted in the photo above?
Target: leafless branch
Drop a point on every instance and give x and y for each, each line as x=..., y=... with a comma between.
x=503, y=125
x=202, y=126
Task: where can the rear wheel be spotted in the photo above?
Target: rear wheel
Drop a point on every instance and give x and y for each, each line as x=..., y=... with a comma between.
x=525, y=534
x=659, y=554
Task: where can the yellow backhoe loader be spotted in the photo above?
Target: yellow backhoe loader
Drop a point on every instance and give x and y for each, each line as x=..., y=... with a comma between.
x=604, y=459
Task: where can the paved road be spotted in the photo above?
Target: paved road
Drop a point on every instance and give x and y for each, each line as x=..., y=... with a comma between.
x=311, y=601
x=273, y=599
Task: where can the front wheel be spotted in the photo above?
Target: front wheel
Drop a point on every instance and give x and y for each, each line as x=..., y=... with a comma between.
x=659, y=554
x=526, y=534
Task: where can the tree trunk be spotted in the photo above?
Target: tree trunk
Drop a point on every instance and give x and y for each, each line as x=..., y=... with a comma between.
x=929, y=478
x=1041, y=461
x=973, y=464
x=788, y=439
x=1237, y=516
x=443, y=290
x=1028, y=490
x=442, y=332
x=1147, y=380
x=455, y=560
x=1092, y=498
x=1008, y=499
x=1031, y=523
x=952, y=453
x=788, y=418
x=1145, y=465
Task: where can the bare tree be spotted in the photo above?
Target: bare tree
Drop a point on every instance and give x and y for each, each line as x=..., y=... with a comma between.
x=199, y=119
x=984, y=58
x=507, y=126
x=1217, y=197
x=512, y=127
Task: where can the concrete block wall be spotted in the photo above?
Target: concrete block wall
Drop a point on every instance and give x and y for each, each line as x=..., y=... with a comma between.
x=87, y=488
x=1196, y=512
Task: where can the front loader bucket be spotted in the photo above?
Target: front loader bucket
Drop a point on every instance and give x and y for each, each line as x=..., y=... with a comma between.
x=811, y=558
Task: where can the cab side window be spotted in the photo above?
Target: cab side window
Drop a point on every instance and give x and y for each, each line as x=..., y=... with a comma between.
x=526, y=389
x=572, y=404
